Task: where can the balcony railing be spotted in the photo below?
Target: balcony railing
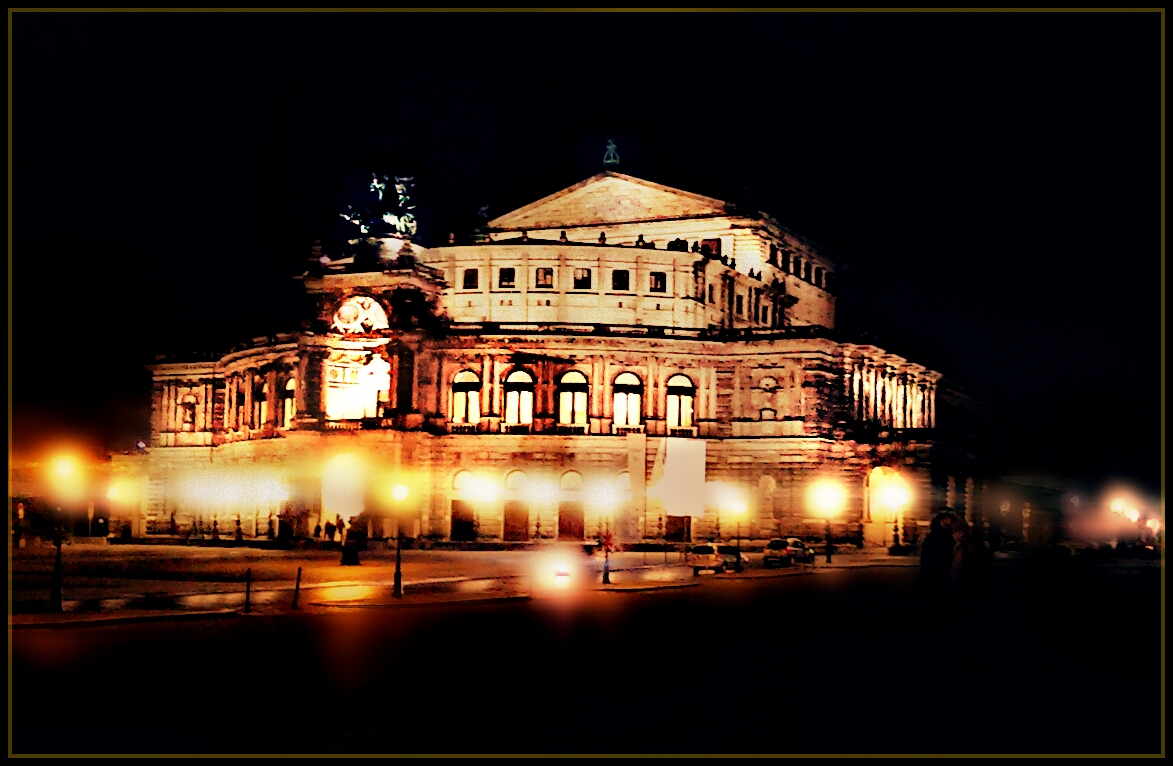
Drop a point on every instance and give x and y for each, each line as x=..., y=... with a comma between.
x=343, y=425
x=462, y=428
x=570, y=430
x=515, y=428
x=624, y=430
x=687, y=433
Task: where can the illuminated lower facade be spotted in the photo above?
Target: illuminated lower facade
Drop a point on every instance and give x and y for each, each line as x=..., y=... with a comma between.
x=525, y=389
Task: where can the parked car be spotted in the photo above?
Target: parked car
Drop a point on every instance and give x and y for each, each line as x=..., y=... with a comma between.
x=776, y=554
x=784, y=552
x=718, y=558
x=732, y=554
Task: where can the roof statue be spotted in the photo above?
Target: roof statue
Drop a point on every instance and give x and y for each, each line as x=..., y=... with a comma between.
x=385, y=216
x=612, y=156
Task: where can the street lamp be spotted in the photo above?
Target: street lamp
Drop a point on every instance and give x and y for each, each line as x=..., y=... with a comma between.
x=739, y=511
x=895, y=496
x=827, y=498
x=399, y=493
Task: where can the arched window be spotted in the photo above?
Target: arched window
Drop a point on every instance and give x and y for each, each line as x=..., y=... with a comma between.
x=519, y=398
x=628, y=395
x=572, y=399
x=515, y=481
x=571, y=481
x=769, y=414
x=623, y=482
x=290, y=403
x=466, y=398
x=681, y=394
x=187, y=412
x=462, y=481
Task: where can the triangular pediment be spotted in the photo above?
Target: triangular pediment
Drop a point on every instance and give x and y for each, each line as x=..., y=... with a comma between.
x=609, y=198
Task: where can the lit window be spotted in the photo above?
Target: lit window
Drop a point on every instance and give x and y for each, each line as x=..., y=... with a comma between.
x=659, y=282
x=572, y=399
x=681, y=393
x=290, y=403
x=466, y=398
x=621, y=280
x=582, y=279
x=627, y=396
x=471, y=279
x=508, y=278
x=544, y=278
x=519, y=398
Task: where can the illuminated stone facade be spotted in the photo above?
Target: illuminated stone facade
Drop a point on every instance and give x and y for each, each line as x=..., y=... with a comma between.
x=531, y=387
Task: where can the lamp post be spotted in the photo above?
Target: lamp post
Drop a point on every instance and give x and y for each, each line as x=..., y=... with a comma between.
x=399, y=493
x=895, y=495
x=738, y=511
x=607, y=553
x=827, y=498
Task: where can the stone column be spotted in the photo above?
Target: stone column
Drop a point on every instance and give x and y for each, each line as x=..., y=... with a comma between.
x=496, y=369
x=272, y=398
x=249, y=382
x=486, y=386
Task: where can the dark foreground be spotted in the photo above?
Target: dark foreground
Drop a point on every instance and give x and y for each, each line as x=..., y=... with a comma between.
x=1056, y=659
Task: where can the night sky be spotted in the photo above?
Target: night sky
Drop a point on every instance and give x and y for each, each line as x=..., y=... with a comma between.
x=989, y=184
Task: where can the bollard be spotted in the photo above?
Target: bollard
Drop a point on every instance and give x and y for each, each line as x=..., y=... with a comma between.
x=248, y=588
x=297, y=587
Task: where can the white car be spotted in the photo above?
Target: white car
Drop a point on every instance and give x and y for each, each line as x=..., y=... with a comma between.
x=717, y=558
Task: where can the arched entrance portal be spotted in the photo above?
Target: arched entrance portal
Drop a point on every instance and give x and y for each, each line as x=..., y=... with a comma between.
x=571, y=522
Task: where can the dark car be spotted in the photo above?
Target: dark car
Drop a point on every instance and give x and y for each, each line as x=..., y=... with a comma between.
x=776, y=554
x=785, y=552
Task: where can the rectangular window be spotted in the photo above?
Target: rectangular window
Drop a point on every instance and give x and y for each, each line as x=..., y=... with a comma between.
x=710, y=293
x=806, y=271
x=786, y=262
x=507, y=278
x=582, y=279
x=471, y=279
x=818, y=277
x=739, y=305
x=797, y=266
x=765, y=314
x=544, y=278
x=711, y=247
x=621, y=280
x=659, y=282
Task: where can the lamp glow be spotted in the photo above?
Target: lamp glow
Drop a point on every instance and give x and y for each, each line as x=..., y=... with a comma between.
x=399, y=493
x=826, y=497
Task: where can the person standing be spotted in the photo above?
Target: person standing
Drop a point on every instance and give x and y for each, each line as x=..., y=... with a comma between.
x=936, y=565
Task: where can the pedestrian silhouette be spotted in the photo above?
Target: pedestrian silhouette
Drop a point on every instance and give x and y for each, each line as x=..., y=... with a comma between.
x=329, y=531
x=317, y=530
x=936, y=566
